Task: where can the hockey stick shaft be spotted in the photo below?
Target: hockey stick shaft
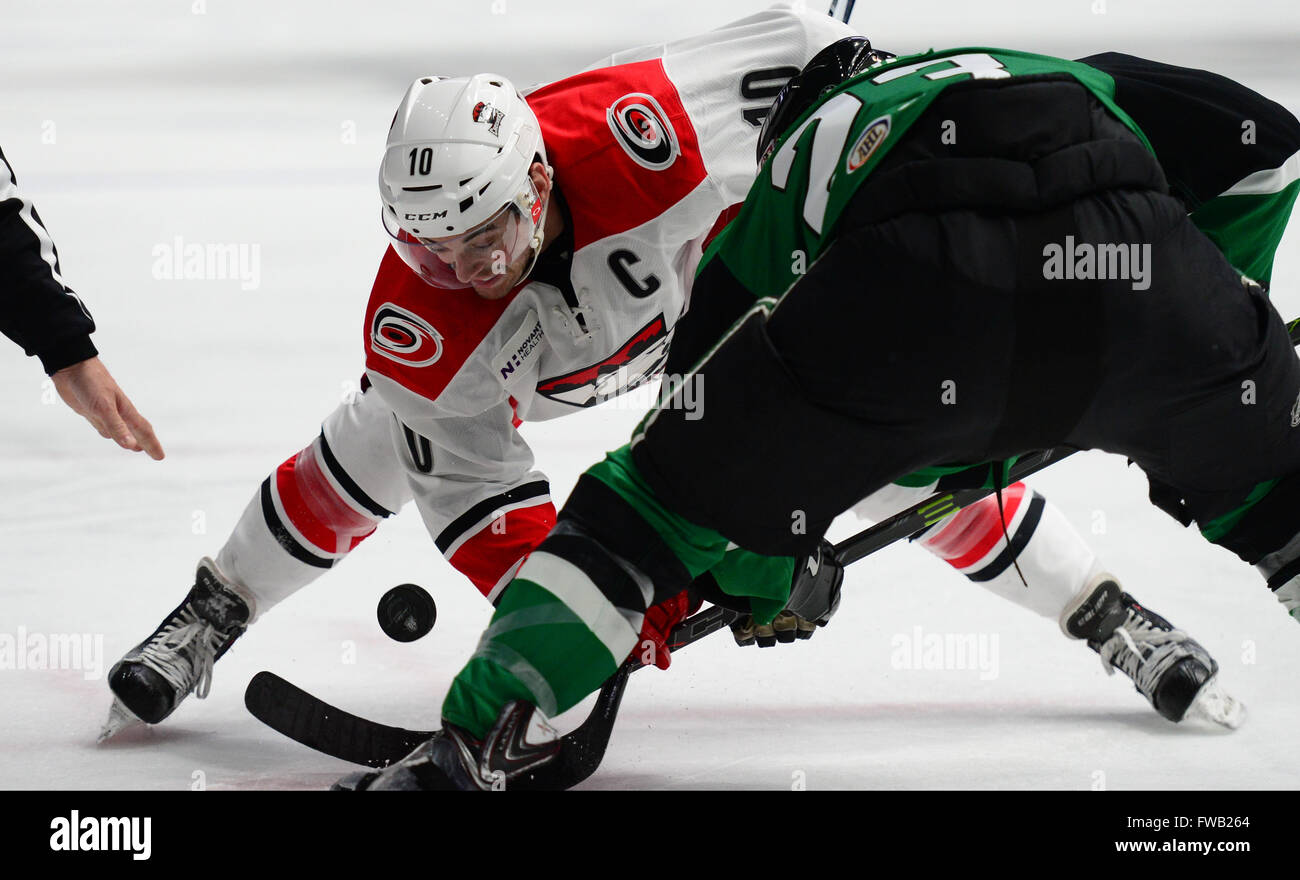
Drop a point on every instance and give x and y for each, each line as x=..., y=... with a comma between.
x=848, y=10
x=903, y=524
x=935, y=508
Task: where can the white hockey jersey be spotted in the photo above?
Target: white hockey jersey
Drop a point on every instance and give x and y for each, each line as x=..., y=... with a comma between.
x=650, y=150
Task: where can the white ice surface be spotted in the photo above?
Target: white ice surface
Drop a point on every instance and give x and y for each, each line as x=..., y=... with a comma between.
x=229, y=126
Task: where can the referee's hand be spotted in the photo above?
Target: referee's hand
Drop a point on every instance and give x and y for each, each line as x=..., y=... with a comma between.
x=89, y=389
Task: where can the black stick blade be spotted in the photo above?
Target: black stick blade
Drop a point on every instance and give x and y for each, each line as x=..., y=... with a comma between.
x=288, y=709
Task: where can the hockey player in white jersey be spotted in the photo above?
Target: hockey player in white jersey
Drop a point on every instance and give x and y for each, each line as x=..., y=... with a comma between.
x=542, y=251
x=637, y=160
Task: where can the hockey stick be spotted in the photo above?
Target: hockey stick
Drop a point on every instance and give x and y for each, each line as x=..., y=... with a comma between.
x=288, y=709
x=848, y=10
x=309, y=720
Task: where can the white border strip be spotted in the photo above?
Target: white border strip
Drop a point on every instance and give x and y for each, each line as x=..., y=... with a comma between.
x=1268, y=181
x=570, y=585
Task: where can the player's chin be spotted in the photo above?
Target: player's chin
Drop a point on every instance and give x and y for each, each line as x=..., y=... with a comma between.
x=496, y=287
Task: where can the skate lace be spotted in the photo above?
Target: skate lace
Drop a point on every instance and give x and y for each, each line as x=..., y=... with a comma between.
x=165, y=653
x=1143, y=651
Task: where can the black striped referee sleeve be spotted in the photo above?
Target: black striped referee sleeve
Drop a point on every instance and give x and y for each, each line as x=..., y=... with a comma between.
x=37, y=309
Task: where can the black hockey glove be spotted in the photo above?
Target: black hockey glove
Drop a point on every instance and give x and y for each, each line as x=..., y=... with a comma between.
x=814, y=598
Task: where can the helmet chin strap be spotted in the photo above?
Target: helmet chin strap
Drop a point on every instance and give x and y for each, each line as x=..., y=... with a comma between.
x=539, y=234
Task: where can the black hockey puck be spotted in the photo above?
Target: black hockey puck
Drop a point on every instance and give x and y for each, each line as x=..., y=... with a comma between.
x=407, y=612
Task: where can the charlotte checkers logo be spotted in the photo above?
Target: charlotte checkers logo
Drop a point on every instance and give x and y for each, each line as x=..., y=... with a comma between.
x=642, y=129
x=404, y=336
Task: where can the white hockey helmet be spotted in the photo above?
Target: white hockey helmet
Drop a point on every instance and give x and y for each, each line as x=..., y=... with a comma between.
x=455, y=181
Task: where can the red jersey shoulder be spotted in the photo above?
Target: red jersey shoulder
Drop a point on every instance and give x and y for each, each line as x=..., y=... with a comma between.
x=623, y=146
x=420, y=336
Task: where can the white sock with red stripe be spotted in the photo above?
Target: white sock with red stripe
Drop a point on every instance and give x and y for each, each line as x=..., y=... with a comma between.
x=298, y=526
x=1055, y=560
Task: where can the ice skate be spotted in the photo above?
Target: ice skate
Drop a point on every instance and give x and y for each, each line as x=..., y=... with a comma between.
x=1168, y=667
x=177, y=659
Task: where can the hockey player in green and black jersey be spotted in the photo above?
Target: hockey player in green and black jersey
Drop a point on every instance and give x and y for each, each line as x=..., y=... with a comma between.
x=1036, y=263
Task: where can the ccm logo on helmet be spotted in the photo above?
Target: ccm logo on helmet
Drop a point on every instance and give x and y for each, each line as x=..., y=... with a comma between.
x=404, y=337
x=642, y=128
x=434, y=216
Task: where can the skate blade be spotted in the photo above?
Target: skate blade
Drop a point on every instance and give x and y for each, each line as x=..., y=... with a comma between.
x=1215, y=704
x=119, y=719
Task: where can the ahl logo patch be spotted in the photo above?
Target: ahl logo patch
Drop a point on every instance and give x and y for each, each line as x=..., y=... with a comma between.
x=404, y=337
x=642, y=128
x=869, y=140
